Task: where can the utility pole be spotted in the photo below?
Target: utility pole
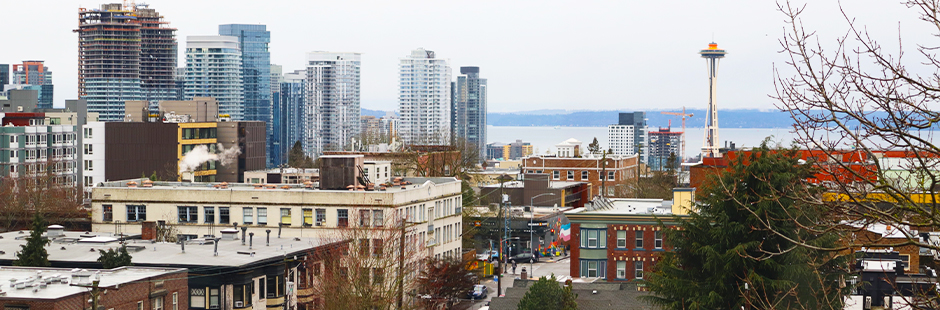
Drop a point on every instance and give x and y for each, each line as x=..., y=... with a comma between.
x=604, y=174
x=401, y=264
x=499, y=219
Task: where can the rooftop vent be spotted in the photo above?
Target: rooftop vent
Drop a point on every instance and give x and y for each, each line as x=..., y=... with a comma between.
x=55, y=231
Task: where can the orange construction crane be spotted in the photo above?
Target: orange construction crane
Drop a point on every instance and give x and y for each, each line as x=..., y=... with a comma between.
x=684, y=115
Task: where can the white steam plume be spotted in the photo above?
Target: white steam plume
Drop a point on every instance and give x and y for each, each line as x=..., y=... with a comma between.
x=200, y=154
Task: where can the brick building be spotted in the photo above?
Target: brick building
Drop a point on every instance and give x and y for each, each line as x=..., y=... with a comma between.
x=620, y=170
x=128, y=288
x=620, y=239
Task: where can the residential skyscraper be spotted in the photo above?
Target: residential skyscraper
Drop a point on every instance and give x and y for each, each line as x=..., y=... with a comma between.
x=213, y=69
x=34, y=73
x=4, y=74
x=332, y=105
x=470, y=109
x=663, y=144
x=424, y=99
x=630, y=135
x=124, y=53
x=253, y=42
x=273, y=142
x=289, y=117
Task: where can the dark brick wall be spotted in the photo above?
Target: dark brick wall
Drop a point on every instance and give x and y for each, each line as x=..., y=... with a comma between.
x=124, y=297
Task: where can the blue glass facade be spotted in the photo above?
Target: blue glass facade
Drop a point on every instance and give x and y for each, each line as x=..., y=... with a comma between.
x=256, y=72
x=288, y=121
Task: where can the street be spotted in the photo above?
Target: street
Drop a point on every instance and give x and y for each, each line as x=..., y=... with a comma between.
x=546, y=267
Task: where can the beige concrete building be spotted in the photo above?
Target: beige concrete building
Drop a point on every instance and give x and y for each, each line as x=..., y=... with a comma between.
x=430, y=207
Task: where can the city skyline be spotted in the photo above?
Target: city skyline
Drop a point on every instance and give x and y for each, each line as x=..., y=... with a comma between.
x=636, y=62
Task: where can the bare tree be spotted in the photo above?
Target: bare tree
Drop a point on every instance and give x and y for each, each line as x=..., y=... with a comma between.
x=374, y=264
x=42, y=189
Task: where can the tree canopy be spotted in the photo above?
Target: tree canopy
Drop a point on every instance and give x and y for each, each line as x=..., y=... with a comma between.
x=740, y=247
x=445, y=280
x=297, y=159
x=548, y=294
x=113, y=259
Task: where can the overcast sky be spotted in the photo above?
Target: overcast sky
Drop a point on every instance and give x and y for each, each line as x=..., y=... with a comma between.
x=595, y=55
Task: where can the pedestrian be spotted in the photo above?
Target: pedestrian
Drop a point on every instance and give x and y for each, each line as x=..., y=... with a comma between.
x=513, y=267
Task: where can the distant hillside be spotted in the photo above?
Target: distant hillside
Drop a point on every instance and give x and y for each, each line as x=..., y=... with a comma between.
x=376, y=113
x=726, y=119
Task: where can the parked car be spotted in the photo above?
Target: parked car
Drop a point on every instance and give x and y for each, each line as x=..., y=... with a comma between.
x=479, y=291
x=488, y=255
x=524, y=258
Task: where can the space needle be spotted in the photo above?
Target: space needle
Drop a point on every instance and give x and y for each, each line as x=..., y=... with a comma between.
x=712, y=55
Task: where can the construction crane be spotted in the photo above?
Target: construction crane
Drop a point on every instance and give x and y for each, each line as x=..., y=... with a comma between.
x=684, y=115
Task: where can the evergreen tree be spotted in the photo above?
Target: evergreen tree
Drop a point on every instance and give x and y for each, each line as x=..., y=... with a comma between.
x=296, y=157
x=114, y=259
x=594, y=147
x=33, y=253
x=548, y=294
x=734, y=251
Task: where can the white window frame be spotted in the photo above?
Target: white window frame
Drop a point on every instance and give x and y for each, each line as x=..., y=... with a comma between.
x=611, y=175
x=584, y=175
x=594, y=269
x=556, y=175
x=638, y=269
x=570, y=175
x=248, y=216
x=158, y=303
x=621, y=269
x=638, y=239
x=658, y=239
x=621, y=239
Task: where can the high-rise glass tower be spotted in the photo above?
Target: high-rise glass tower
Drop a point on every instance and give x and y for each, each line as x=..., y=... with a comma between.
x=253, y=42
x=630, y=135
x=33, y=74
x=332, y=105
x=470, y=109
x=213, y=69
x=289, y=117
x=124, y=53
x=424, y=99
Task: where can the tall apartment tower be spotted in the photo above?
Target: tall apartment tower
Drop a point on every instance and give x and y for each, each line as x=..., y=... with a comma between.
x=253, y=42
x=469, y=102
x=34, y=75
x=124, y=53
x=332, y=103
x=630, y=135
x=213, y=69
x=4, y=74
x=273, y=142
x=289, y=118
x=712, y=55
x=424, y=99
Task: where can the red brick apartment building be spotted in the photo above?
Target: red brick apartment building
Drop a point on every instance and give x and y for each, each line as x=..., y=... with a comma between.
x=123, y=288
x=615, y=171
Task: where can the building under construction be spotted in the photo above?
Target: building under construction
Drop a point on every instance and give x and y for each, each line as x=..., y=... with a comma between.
x=125, y=52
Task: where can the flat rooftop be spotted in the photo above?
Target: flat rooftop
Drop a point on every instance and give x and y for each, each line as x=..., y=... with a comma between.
x=521, y=184
x=414, y=183
x=626, y=206
x=64, y=282
x=82, y=247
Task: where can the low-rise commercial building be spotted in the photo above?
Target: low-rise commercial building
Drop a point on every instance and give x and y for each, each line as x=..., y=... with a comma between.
x=552, y=193
x=611, y=174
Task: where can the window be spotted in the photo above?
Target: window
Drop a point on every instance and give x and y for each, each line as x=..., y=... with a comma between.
x=197, y=296
x=621, y=270
x=378, y=218
x=610, y=175
x=342, y=218
x=621, y=239
x=308, y=217
x=89, y=166
x=377, y=247
x=285, y=216
x=87, y=132
x=248, y=216
x=241, y=293
x=157, y=303
x=107, y=213
x=210, y=214
x=213, y=298
x=262, y=216
x=176, y=301
x=321, y=217
x=378, y=276
x=570, y=175
x=592, y=269
x=593, y=238
x=556, y=175
x=658, y=239
x=136, y=213
x=639, y=239
x=638, y=266
x=88, y=149
x=275, y=286
x=188, y=214
x=365, y=220
x=223, y=215
x=140, y=305
x=261, y=287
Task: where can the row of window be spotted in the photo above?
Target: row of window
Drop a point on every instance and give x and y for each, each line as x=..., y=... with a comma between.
x=597, y=239
x=598, y=269
x=190, y=215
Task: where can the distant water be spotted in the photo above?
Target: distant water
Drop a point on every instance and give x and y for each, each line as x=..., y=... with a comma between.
x=545, y=138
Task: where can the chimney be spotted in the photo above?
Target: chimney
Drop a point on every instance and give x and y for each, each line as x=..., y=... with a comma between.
x=148, y=230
